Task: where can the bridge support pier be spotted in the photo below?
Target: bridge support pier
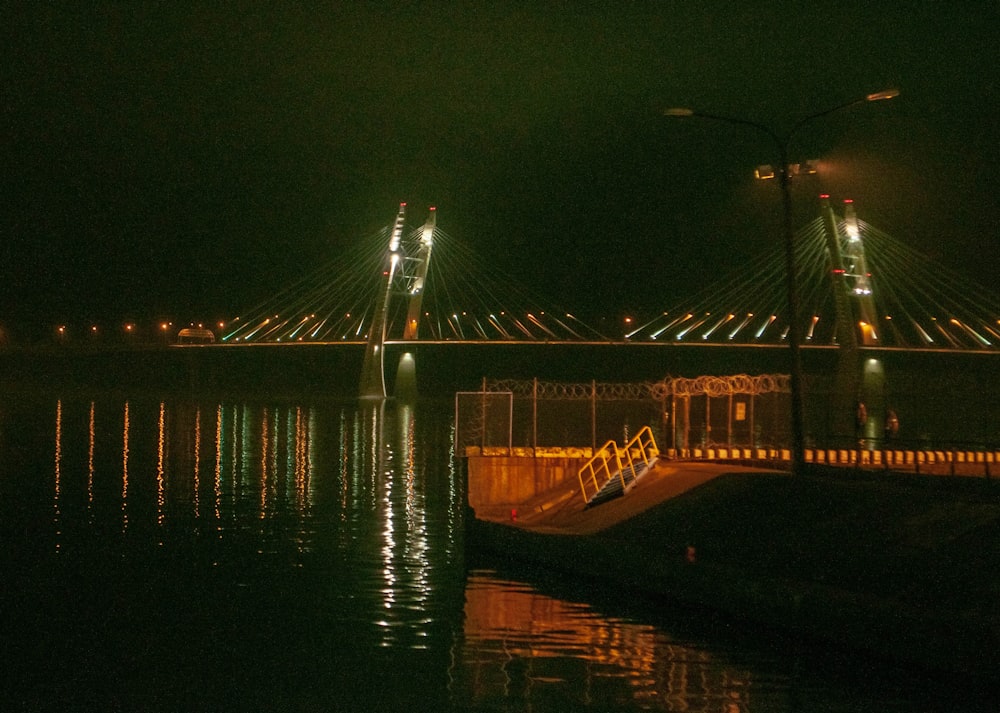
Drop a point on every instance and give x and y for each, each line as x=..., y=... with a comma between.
x=373, y=373
x=406, y=377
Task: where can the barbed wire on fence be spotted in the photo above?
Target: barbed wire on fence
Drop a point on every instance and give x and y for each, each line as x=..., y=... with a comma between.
x=735, y=384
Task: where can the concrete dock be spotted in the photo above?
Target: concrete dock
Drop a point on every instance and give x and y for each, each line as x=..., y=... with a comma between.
x=900, y=567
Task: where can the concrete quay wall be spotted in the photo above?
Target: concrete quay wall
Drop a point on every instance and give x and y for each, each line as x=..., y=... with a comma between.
x=902, y=568
x=503, y=481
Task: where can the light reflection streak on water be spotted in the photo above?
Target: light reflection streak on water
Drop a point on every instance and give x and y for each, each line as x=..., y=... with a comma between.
x=197, y=463
x=455, y=502
x=160, y=475
x=91, y=440
x=382, y=462
x=375, y=454
x=416, y=554
x=125, y=437
x=217, y=475
x=56, y=515
x=244, y=457
x=264, y=443
x=346, y=447
x=303, y=464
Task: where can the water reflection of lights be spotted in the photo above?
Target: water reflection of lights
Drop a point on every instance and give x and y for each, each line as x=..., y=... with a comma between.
x=217, y=469
x=398, y=483
x=197, y=463
x=278, y=475
x=264, y=443
x=125, y=436
x=56, y=515
x=161, y=438
x=524, y=646
x=91, y=440
x=263, y=469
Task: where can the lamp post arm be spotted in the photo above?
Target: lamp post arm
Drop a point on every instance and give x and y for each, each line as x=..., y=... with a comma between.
x=779, y=141
x=873, y=97
x=819, y=115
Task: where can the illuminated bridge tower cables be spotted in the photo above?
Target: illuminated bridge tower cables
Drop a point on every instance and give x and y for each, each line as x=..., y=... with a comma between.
x=844, y=331
x=421, y=260
x=467, y=298
x=860, y=279
x=850, y=287
x=406, y=374
x=373, y=367
x=928, y=304
x=327, y=302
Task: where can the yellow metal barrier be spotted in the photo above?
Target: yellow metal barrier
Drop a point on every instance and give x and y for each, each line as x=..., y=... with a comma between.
x=610, y=461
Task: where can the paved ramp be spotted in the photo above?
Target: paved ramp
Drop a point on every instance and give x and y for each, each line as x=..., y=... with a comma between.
x=564, y=512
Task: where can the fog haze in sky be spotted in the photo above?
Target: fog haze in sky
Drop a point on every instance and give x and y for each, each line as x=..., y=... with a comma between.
x=186, y=160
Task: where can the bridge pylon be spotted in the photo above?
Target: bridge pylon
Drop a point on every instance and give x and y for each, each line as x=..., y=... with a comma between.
x=859, y=388
x=403, y=277
x=406, y=370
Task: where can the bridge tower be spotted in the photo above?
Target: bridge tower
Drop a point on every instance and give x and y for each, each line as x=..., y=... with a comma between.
x=859, y=389
x=406, y=371
x=404, y=275
x=373, y=367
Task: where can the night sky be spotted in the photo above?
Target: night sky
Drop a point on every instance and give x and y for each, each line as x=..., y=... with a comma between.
x=183, y=161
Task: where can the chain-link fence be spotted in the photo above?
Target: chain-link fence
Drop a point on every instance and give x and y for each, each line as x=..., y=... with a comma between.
x=735, y=411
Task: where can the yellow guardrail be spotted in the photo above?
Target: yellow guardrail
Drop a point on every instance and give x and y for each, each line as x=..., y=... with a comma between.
x=610, y=461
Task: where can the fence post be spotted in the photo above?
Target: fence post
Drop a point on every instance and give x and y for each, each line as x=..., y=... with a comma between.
x=708, y=420
x=482, y=411
x=673, y=419
x=687, y=421
x=729, y=424
x=593, y=414
x=534, y=415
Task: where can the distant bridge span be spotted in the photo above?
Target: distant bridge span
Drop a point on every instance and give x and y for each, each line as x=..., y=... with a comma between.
x=861, y=291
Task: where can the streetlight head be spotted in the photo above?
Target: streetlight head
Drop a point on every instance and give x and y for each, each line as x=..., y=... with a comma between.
x=885, y=94
x=678, y=112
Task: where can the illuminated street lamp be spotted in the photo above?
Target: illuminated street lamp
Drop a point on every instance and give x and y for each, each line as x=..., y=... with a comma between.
x=781, y=142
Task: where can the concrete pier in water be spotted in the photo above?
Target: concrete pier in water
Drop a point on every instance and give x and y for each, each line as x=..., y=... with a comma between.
x=895, y=565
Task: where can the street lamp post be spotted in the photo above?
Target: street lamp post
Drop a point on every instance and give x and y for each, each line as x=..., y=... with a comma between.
x=781, y=143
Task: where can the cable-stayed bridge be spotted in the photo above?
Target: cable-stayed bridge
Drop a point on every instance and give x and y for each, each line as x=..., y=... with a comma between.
x=389, y=286
x=859, y=288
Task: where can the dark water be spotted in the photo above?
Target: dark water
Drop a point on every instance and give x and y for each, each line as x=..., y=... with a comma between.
x=176, y=555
